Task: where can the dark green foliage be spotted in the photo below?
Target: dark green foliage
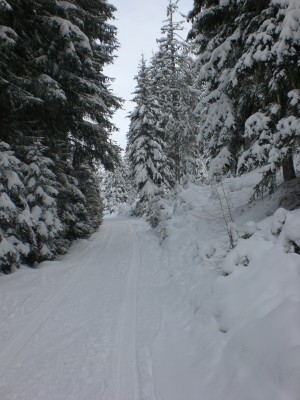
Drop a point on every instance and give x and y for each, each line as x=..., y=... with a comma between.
x=267, y=185
x=89, y=184
x=55, y=113
x=16, y=233
x=52, y=77
x=41, y=189
x=249, y=61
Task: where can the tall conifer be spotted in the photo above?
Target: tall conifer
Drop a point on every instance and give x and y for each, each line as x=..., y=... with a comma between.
x=146, y=146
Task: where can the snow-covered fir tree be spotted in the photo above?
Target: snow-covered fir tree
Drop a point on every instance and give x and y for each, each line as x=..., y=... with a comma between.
x=89, y=185
x=216, y=35
x=41, y=191
x=71, y=202
x=117, y=188
x=16, y=227
x=146, y=149
x=249, y=61
x=16, y=77
x=189, y=149
x=54, y=53
x=272, y=57
x=52, y=87
x=173, y=79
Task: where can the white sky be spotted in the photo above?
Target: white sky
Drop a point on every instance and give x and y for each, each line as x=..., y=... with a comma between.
x=138, y=23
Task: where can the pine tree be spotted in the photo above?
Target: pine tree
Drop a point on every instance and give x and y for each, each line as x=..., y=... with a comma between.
x=247, y=52
x=89, y=185
x=17, y=98
x=146, y=148
x=16, y=231
x=272, y=56
x=41, y=190
x=71, y=201
x=171, y=69
x=53, y=81
x=53, y=91
x=216, y=35
x=189, y=149
x=117, y=188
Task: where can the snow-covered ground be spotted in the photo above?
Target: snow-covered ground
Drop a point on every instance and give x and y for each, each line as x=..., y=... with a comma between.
x=71, y=329
x=122, y=317
x=232, y=319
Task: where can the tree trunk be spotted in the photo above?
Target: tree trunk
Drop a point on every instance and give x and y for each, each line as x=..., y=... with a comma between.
x=288, y=167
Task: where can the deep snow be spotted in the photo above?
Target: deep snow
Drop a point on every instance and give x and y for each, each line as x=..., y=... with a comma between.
x=122, y=317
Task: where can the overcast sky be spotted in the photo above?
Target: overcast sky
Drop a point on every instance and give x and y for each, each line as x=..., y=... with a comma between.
x=138, y=23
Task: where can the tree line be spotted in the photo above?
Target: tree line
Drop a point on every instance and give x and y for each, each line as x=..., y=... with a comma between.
x=223, y=102
x=55, y=123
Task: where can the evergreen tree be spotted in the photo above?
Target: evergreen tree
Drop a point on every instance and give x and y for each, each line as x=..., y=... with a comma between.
x=17, y=98
x=89, y=185
x=53, y=91
x=41, y=194
x=117, y=188
x=52, y=79
x=72, y=209
x=272, y=57
x=16, y=232
x=172, y=72
x=146, y=146
x=189, y=150
x=216, y=35
x=249, y=59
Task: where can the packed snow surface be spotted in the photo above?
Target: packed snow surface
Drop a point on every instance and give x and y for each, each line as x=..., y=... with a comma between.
x=125, y=317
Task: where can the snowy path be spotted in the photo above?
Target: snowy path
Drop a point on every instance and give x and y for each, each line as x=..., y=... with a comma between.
x=74, y=334
x=18, y=341
x=125, y=381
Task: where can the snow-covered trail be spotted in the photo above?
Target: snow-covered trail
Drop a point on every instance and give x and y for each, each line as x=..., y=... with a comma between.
x=124, y=382
x=81, y=330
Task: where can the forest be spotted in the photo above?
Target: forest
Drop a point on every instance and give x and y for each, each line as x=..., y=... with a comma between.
x=168, y=270
x=219, y=103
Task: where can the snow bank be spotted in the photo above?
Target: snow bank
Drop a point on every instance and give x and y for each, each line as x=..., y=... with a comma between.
x=231, y=326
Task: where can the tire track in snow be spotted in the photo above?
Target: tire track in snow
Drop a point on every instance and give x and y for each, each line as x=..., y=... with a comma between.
x=41, y=315
x=124, y=380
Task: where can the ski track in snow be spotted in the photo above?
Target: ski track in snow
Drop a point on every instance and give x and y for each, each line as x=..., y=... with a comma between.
x=124, y=380
x=80, y=342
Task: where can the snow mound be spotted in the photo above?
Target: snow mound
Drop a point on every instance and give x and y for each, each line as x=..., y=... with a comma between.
x=278, y=221
x=230, y=328
x=289, y=237
x=250, y=228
